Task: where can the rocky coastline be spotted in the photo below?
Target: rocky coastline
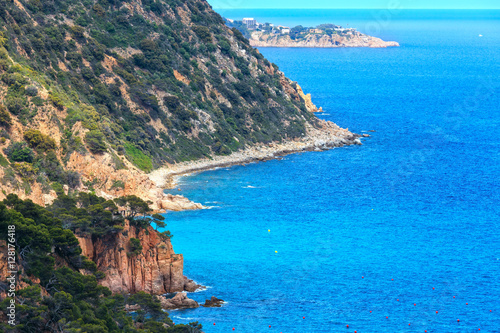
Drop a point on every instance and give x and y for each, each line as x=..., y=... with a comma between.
x=261, y=39
x=328, y=136
x=157, y=269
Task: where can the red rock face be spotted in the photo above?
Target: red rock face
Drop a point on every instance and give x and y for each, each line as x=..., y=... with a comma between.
x=156, y=270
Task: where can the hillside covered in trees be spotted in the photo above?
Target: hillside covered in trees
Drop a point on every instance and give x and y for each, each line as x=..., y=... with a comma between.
x=143, y=82
x=94, y=95
x=59, y=289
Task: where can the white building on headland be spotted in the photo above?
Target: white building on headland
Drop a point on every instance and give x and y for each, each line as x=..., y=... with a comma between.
x=285, y=31
x=251, y=23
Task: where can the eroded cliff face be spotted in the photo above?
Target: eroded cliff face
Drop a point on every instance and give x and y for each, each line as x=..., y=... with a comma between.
x=156, y=269
x=308, y=101
x=261, y=39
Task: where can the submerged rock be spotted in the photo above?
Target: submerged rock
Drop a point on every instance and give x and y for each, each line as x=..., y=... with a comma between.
x=213, y=302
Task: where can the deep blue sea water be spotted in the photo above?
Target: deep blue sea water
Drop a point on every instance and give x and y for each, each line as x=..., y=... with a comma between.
x=412, y=215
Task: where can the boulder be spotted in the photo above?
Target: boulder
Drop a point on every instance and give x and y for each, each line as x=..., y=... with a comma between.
x=178, y=203
x=213, y=302
x=191, y=286
x=179, y=301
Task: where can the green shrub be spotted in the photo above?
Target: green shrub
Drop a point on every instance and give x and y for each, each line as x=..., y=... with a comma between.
x=5, y=119
x=38, y=101
x=38, y=140
x=118, y=184
x=135, y=247
x=172, y=102
x=4, y=64
x=56, y=101
x=225, y=46
x=15, y=104
x=31, y=91
x=137, y=157
x=3, y=161
x=9, y=178
x=3, y=38
x=58, y=188
x=26, y=170
x=99, y=10
x=19, y=152
x=95, y=141
x=77, y=32
x=203, y=33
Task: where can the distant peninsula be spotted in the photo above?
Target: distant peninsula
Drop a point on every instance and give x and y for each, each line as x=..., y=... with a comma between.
x=324, y=35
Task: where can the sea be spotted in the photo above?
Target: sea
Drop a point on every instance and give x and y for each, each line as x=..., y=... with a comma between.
x=401, y=234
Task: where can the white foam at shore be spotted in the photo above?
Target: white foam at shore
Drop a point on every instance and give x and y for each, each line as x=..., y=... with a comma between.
x=328, y=136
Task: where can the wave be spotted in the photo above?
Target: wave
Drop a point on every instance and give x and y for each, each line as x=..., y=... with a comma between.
x=184, y=318
x=202, y=289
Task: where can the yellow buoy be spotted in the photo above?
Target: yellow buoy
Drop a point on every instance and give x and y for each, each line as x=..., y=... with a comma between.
x=276, y=251
x=268, y=230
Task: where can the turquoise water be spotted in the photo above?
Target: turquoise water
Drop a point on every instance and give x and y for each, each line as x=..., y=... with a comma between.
x=412, y=215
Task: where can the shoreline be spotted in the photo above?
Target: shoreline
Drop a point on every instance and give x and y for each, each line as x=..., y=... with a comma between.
x=327, y=137
x=280, y=46
x=260, y=39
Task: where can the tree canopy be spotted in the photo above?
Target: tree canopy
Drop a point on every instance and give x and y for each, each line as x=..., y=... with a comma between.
x=57, y=297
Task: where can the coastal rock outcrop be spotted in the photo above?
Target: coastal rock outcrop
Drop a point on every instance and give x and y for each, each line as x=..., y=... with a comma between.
x=177, y=203
x=179, y=301
x=308, y=101
x=156, y=269
x=262, y=39
x=213, y=302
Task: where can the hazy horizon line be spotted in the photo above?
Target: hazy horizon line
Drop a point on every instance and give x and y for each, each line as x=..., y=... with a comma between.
x=362, y=8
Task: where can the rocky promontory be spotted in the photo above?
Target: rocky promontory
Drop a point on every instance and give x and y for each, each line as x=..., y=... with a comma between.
x=354, y=39
x=213, y=302
x=155, y=270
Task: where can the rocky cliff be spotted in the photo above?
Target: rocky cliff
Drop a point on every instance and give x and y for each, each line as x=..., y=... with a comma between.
x=42, y=270
x=308, y=101
x=95, y=95
x=355, y=39
x=155, y=270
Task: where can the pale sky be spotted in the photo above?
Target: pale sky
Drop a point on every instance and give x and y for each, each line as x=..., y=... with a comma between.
x=358, y=4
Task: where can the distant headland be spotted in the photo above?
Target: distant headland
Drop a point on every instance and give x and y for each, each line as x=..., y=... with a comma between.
x=324, y=35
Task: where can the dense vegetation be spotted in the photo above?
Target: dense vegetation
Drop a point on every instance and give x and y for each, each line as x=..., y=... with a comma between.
x=56, y=297
x=297, y=33
x=154, y=81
